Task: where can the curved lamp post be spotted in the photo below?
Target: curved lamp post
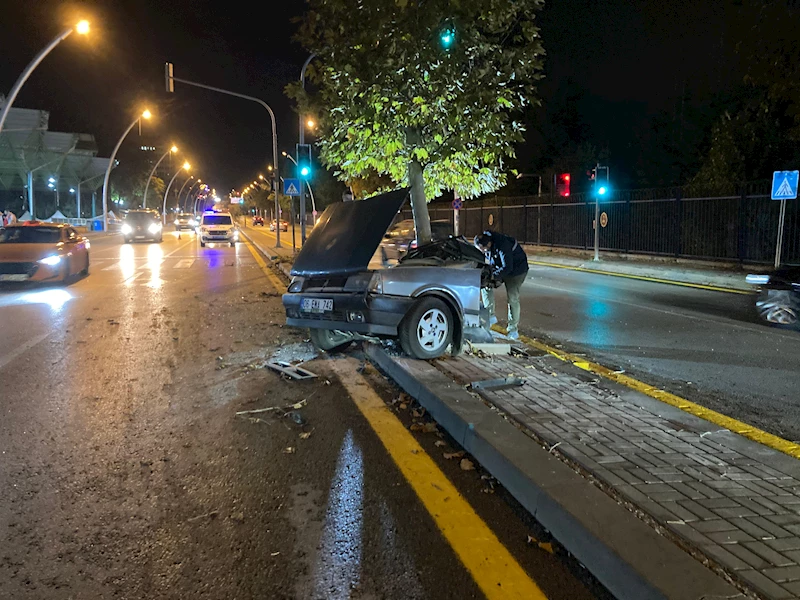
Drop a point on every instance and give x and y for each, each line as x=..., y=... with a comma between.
x=81, y=27
x=185, y=203
x=186, y=166
x=180, y=191
x=153, y=172
x=146, y=114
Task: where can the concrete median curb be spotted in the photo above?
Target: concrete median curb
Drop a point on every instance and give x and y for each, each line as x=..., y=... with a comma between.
x=269, y=253
x=628, y=556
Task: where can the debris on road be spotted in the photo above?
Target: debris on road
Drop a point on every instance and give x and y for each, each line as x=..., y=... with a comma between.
x=295, y=406
x=289, y=450
x=440, y=443
x=238, y=517
x=296, y=417
x=296, y=353
x=449, y=455
x=467, y=465
x=424, y=427
x=546, y=546
x=306, y=434
x=209, y=515
x=291, y=371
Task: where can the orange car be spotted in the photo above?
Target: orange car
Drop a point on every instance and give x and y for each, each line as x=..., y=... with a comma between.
x=36, y=251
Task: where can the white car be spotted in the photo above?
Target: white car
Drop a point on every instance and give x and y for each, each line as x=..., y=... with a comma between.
x=217, y=227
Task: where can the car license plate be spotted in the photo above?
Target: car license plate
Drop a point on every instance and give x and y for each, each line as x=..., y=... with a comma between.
x=139, y=237
x=316, y=305
x=14, y=277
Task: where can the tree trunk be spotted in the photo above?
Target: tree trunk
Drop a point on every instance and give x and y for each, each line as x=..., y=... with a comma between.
x=419, y=205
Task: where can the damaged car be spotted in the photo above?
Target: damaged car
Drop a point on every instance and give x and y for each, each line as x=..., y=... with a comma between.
x=778, y=299
x=430, y=301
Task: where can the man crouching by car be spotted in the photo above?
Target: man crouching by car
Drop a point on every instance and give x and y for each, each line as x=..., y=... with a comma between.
x=510, y=267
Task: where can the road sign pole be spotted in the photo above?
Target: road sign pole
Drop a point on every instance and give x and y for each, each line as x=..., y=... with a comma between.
x=781, y=227
x=596, y=228
x=456, y=213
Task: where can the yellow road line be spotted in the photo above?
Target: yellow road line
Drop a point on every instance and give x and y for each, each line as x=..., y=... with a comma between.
x=734, y=425
x=698, y=286
x=273, y=279
x=491, y=565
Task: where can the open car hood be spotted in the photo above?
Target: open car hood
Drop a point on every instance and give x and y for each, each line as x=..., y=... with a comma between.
x=347, y=235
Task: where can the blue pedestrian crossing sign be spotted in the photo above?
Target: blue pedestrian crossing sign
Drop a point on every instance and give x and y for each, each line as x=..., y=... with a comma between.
x=291, y=187
x=784, y=185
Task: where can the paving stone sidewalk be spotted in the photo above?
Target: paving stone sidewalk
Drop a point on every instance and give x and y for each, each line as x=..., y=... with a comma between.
x=727, y=498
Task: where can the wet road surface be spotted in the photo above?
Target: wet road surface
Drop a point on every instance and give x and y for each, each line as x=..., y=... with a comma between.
x=703, y=345
x=125, y=472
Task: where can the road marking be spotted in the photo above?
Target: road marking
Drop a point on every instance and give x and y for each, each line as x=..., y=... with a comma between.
x=491, y=565
x=734, y=425
x=184, y=263
x=131, y=279
x=273, y=279
x=698, y=286
x=22, y=349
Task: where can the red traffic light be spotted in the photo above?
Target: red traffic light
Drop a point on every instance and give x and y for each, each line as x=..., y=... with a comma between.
x=562, y=186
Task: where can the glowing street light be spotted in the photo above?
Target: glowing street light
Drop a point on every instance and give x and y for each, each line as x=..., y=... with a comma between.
x=311, y=124
x=172, y=150
x=146, y=114
x=82, y=27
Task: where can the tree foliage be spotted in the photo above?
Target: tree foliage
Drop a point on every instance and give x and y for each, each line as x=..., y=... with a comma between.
x=388, y=94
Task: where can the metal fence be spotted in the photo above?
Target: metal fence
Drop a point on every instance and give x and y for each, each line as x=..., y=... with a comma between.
x=740, y=225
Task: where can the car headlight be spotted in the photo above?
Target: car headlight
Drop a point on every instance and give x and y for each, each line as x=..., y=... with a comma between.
x=154, y=227
x=296, y=285
x=51, y=261
x=176, y=221
x=126, y=229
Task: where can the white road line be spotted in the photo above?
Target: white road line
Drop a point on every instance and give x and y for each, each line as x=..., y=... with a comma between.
x=132, y=277
x=184, y=263
x=20, y=350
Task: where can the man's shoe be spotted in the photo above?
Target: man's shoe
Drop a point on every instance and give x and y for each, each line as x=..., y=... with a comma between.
x=513, y=335
x=492, y=320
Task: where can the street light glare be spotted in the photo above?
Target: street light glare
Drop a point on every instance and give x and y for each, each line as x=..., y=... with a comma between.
x=310, y=123
x=82, y=27
x=173, y=149
x=186, y=165
x=261, y=177
x=147, y=114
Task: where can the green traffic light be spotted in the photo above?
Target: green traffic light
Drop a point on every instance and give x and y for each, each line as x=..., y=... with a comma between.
x=447, y=38
x=305, y=171
x=602, y=190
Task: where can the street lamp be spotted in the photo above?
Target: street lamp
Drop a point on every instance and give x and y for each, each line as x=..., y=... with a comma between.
x=180, y=191
x=186, y=166
x=311, y=124
x=82, y=27
x=146, y=114
x=310, y=191
x=147, y=185
x=185, y=203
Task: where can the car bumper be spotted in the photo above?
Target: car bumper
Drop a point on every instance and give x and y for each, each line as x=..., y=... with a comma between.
x=20, y=272
x=359, y=313
x=227, y=238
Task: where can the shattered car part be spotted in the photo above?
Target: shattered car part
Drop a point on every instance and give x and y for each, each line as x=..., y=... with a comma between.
x=290, y=370
x=495, y=385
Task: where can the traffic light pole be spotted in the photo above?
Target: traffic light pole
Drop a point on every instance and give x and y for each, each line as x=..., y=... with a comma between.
x=597, y=213
x=170, y=87
x=302, y=140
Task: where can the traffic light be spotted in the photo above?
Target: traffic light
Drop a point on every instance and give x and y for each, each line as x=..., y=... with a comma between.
x=304, y=167
x=447, y=37
x=602, y=190
x=562, y=185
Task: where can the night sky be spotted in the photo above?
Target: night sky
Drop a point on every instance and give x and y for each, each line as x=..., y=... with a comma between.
x=629, y=60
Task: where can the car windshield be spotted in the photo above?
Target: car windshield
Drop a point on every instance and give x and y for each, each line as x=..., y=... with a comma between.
x=30, y=235
x=217, y=220
x=140, y=216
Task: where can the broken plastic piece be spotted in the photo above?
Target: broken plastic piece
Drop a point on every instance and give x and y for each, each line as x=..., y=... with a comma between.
x=290, y=370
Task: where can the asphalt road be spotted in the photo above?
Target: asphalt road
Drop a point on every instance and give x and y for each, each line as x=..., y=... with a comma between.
x=706, y=346
x=125, y=473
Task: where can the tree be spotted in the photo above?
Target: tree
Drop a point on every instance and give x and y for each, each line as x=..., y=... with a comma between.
x=394, y=96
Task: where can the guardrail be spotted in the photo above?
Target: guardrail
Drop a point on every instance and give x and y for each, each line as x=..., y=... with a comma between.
x=737, y=227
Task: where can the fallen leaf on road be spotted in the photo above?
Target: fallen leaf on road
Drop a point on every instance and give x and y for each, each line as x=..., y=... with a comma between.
x=418, y=414
x=440, y=443
x=305, y=435
x=449, y=455
x=289, y=450
x=274, y=553
x=403, y=406
x=467, y=465
x=238, y=517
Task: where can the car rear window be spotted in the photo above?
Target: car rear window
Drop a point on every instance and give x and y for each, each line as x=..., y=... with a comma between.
x=30, y=235
x=141, y=217
x=217, y=220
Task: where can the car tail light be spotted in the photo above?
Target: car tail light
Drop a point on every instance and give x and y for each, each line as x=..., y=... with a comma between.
x=413, y=245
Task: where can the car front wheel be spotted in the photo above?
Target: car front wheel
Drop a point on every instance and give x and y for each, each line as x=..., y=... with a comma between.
x=329, y=340
x=427, y=329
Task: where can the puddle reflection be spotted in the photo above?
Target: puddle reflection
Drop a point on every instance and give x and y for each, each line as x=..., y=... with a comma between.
x=338, y=568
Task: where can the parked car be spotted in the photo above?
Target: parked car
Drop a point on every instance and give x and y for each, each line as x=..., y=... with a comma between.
x=274, y=225
x=185, y=221
x=778, y=299
x=257, y=220
x=36, y=251
x=402, y=237
x=218, y=227
x=430, y=300
x=142, y=224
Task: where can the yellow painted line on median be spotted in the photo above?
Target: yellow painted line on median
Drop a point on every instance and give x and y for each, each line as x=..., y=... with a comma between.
x=698, y=286
x=273, y=278
x=494, y=569
x=734, y=425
